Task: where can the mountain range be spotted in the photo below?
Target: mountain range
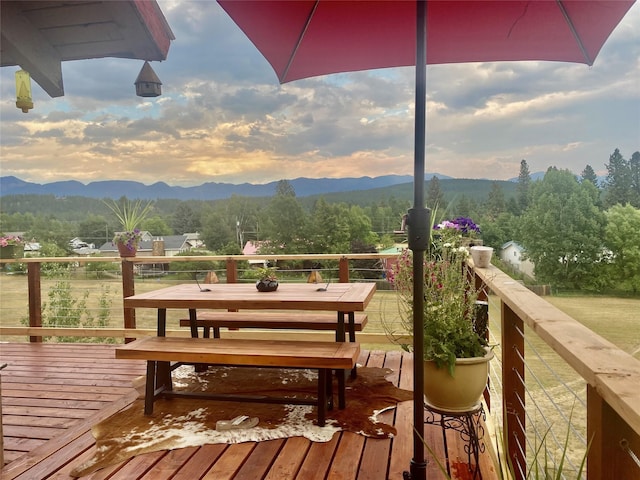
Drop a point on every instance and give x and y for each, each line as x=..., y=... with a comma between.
x=115, y=189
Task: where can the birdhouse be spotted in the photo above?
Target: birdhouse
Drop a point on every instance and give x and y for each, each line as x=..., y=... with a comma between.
x=23, y=91
x=148, y=84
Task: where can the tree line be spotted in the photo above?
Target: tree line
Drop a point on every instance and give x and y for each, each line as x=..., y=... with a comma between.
x=580, y=234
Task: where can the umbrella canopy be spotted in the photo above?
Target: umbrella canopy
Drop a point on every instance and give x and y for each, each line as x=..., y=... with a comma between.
x=306, y=38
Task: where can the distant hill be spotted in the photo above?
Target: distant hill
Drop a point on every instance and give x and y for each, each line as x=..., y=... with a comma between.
x=207, y=191
x=476, y=190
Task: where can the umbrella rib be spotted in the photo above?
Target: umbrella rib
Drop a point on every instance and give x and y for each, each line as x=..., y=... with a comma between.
x=572, y=27
x=299, y=42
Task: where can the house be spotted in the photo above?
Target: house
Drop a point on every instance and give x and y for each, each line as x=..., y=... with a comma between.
x=512, y=253
x=167, y=245
x=251, y=248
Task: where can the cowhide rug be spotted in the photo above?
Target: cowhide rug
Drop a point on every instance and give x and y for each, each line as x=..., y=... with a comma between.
x=186, y=422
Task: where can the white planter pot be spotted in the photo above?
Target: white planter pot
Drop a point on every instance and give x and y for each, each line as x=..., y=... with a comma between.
x=461, y=393
x=481, y=256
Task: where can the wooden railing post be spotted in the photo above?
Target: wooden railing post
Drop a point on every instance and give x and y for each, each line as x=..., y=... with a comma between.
x=128, y=289
x=232, y=271
x=483, y=308
x=612, y=440
x=513, y=388
x=343, y=270
x=35, y=298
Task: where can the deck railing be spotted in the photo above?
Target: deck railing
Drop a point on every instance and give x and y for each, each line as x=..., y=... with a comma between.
x=611, y=420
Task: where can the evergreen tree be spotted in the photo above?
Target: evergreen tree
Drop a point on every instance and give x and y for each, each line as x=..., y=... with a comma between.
x=185, y=220
x=590, y=175
x=524, y=182
x=94, y=229
x=495, y=201
x=435, y=196
x=328, y=230
x=618, y=183
x=562, y=231
x=463, y=207
x=284, y=223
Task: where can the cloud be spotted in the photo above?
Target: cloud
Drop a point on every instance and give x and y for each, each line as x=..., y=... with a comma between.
x=224, y=117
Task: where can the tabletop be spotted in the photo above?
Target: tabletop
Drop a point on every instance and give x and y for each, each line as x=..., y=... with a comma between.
x=345, y=297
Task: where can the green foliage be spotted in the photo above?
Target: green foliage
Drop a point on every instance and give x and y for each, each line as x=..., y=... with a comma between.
x=449, y=307
x=94, y=229
x=100, y=268
x=562, y=231
x=130, y=214
x=285, y=223
x=217, y=229
x=266, y=273
x=157, y=226
x=65, y=310
x=622, y=238
x=185, y=219
x=495, y=202
x=524, y=183
x=193, y=267
x=623, y=180
x=589, y=175
x=50, y=269
x=435, y=195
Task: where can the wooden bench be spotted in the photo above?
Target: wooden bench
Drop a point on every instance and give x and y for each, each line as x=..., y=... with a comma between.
x=159, y=352
x=208, y=320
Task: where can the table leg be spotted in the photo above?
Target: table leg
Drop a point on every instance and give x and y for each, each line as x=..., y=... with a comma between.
x=162, y=322
x=163, y=369
x=322, y=396
x=192, y=322
x=340, y=334
x=342, y=403
x=352, y=326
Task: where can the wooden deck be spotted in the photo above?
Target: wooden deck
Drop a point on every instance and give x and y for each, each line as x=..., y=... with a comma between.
x=53, y=393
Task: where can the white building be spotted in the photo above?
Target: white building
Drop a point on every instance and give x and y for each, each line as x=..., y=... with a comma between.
x=512, y=253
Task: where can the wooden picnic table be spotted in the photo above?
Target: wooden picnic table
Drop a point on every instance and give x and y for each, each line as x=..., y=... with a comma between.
x=343, y=298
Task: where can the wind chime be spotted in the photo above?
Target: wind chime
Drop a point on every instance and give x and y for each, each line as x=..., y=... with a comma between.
x=23, y=91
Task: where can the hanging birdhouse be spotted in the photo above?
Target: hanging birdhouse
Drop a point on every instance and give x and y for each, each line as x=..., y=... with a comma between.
x=148, y=84
x=23, y=91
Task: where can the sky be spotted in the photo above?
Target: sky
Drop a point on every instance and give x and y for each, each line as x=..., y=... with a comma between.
x=223, y=117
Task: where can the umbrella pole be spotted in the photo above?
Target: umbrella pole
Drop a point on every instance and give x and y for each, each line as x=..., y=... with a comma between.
x=418, y=237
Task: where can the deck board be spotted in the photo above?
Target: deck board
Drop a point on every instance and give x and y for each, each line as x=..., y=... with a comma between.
x=53, y=393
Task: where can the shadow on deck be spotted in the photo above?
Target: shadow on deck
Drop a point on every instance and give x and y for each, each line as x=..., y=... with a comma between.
x=53, y=393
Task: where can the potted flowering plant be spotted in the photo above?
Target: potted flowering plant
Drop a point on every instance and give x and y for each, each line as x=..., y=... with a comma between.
x=463, y=228
x=454, y=337
x=131, y=215
x=8, y=245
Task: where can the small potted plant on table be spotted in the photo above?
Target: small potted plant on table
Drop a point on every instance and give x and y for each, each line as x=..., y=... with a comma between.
x=267, y=279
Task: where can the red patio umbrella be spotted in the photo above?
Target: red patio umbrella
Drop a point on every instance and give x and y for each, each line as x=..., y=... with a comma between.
x=306, y=38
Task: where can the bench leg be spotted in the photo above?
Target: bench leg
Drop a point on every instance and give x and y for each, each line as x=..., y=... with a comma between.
x=150, y=387
x=198, y=367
